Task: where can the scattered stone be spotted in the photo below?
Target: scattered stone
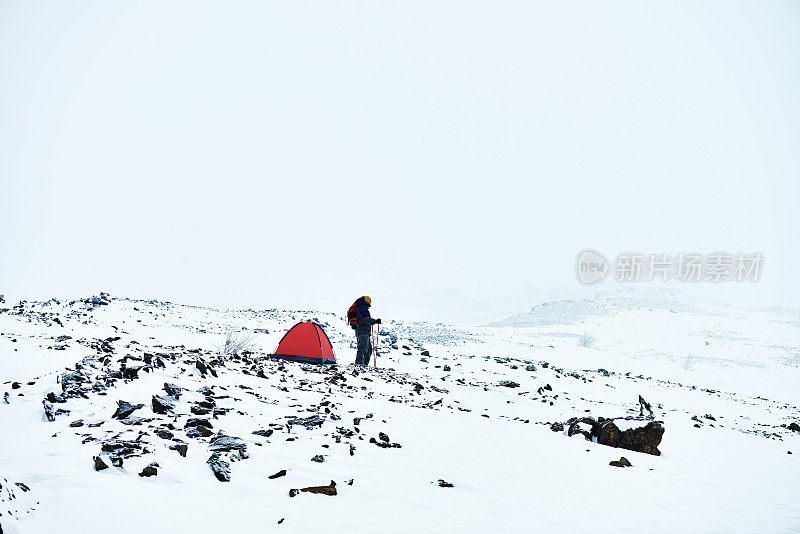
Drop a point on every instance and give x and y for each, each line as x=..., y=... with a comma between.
x=172, y=390
x=198, y=422
x=124, y=409
x=182, y=448
x=52, y=397
x=325, y=490
x=309, y=422
x=220, y=468
x=163, y=433
x=281, y=473
x=49, y=410
x=163, y=404
x=622, y=462
x=149, y=471
x=223, y=443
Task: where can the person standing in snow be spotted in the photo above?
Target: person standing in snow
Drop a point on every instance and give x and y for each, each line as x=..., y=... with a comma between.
x=361, y=321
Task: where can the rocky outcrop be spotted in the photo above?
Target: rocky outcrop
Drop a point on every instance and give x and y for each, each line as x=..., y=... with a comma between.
x=644, y=435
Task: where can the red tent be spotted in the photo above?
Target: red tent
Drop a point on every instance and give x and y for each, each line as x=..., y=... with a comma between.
x=306, y=342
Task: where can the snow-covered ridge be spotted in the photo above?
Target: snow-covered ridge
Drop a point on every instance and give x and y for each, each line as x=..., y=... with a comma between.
x=112, y=405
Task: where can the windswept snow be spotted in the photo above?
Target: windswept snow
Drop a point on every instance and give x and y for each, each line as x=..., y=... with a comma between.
x=484, y=409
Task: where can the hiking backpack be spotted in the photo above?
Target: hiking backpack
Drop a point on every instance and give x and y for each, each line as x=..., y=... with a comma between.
x=352, y=316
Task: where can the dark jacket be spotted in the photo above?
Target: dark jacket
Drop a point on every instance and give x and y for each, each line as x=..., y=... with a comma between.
x=362, y=314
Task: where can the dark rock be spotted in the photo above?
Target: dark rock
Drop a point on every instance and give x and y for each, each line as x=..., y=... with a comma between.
x=164, y=433
x=281, y=473
x=794, y=427
x=198, y=421
x=530, y=367
x=199, y=432
x=131, y=373
x=223, y=443
x=318, y=458
x=52, y=397
x=208, y=403
x=172, y=390
x=199, y=410
x=325, y=490
x=163, y=404
x=383, y=437
x=123, y=448
x=116, y=461
x=444, y=484
x=609, y=434
x=309, y=422
x=644, y=405
x=509, y=384
x=557, y=427
x=124, y=409
x=575, y=427
x=264, y=433
x=423, y=353
x=640, y=439
x=622, y=462
x=15, y=385
x=76, y=423
x=99, y=464
x=49, y=410
x=149, y=471
x=220, y=468
x=23, y=487
x=182, y=448
x=205, y=390
x=70, y=379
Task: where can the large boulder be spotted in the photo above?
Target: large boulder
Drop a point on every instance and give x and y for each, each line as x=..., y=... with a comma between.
x=631, y=433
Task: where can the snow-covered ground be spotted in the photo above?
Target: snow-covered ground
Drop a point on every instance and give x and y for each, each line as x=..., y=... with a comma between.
x=477, y=407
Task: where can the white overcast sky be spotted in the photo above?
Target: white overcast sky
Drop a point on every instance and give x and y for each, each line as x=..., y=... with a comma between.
x=304, y=153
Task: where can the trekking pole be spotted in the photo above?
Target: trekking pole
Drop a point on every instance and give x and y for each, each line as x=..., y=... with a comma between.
x=377, y=337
